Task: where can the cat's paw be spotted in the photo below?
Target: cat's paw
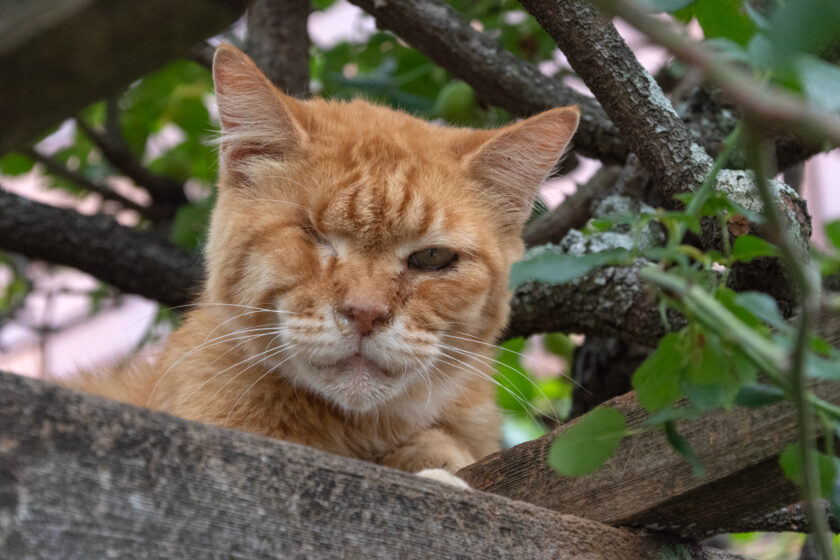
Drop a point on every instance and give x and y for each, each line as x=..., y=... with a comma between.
x=444, y=476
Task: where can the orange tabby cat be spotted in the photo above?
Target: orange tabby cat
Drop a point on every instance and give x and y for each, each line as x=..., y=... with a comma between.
x=357, y=275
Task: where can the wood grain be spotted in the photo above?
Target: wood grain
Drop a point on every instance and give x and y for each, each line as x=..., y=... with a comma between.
x=646, y=484
x=83, y=477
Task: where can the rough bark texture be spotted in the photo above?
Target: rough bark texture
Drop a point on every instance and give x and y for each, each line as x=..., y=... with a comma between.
x=440, y=33
x=83, y=477
x=132, y=260
x=612, y=301
x=279, y=43
x=647, y=484
x=629, y=95
x=57, y=56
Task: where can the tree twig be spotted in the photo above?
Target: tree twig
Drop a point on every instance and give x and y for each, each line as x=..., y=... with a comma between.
x=166, y=192
x=62, y=171
x=439, y=32
x=808, y=312
x=573, y=212
x=761, y=101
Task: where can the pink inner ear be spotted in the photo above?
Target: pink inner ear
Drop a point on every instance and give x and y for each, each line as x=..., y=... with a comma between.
x=518, y=159
x=253, y=113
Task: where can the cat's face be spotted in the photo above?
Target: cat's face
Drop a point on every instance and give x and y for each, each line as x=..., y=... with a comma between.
x=372, y=247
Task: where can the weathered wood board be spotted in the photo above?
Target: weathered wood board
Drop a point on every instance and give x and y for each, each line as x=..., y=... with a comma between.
x=83, y=477
x=647, y=484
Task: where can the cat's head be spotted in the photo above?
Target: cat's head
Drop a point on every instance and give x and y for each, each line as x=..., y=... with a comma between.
x=373, y=247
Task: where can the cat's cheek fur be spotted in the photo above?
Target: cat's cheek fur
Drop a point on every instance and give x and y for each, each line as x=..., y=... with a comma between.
x=320, y=206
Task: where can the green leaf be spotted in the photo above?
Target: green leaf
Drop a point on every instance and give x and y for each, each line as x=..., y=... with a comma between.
x=820, y=82
x=803, y=26
x=756, y=395
x=715, y=372
x=587, y=444
x=557, y=268
x=559, y=344
x=190, y=225
x=656, y=6
x=762, y=306
x=728, y=49
x=515, y=389
x=749, y=247
x=792, y=466
x=724, y=18
x=670, y=414
x=681, y=446
x=823, y=368
x=15, y=164
x=657, y=381
x=832, y=231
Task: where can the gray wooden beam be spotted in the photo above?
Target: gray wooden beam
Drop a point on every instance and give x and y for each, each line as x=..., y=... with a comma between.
x=647, y=484
x=57, y=56
x=84, y=477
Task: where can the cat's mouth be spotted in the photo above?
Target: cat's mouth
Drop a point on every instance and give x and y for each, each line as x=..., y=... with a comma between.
x=358, y=366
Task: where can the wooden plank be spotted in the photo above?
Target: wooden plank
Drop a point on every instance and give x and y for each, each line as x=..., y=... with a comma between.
x=646, y=484
x=57, y=56
x=84, y=477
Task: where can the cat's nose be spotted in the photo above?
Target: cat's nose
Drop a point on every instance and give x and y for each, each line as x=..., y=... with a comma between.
x=363, y=317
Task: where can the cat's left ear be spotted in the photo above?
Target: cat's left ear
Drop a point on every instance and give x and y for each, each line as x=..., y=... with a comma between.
x=517, y=159
x=256, y=117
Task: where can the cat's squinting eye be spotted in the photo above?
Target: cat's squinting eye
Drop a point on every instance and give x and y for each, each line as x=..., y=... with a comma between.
x=433, y=258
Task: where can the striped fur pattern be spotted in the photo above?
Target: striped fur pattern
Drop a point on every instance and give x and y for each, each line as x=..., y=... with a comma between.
x=321, y=206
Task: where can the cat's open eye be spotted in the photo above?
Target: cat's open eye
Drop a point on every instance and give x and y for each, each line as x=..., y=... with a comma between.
x=433, y=258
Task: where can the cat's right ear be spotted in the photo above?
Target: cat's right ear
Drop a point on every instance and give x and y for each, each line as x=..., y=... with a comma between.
x=257, y=124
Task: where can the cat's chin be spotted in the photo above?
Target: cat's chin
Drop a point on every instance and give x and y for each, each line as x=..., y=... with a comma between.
x=356, y=384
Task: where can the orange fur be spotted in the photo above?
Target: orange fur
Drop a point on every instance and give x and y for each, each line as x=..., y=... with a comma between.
x=312, y=326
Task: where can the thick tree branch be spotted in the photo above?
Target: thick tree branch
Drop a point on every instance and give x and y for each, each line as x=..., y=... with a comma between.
x=57, y=56
x=131, y=260
x=499, y=77
x=629, y=95
x=279, y=43
x=612, y=301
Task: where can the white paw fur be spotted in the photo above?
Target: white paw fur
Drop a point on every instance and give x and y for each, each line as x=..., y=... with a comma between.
x=444, y=476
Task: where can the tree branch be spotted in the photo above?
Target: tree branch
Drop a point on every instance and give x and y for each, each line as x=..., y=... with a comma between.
x=58, y=56
x=166, y=192
x=439, y=32
x=573, y=212
x=763, y=102
x=131, y=260
x=279, y=43
x=611, y=301
x=629, y=95
x=60, y=170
